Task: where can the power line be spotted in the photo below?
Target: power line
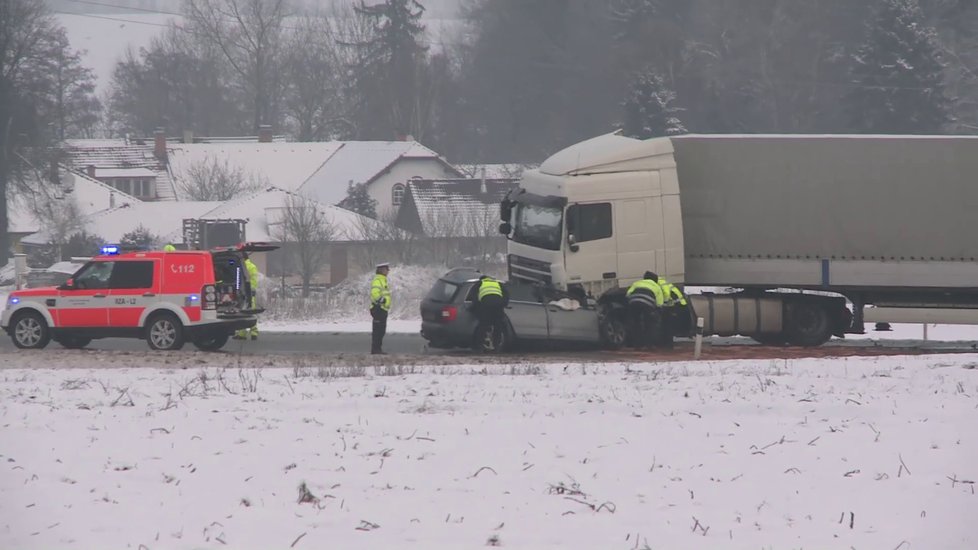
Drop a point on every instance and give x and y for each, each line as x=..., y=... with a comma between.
x=107, y=5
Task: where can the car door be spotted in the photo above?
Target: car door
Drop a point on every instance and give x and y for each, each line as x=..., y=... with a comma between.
x=133, y=287
x=526, y=311
x=84, y=302
x=579, y=325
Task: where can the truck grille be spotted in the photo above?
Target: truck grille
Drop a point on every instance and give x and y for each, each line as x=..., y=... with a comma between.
x=528, y=269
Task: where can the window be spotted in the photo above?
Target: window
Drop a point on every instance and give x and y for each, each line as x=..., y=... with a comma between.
x=443, y=291
x=132, y=275
x=537, y=226
x=397, y=194
x=523, y=293
x=589, y=222
x=94, y=275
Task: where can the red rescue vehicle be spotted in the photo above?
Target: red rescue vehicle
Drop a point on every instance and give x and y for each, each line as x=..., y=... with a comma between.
x=166, y=298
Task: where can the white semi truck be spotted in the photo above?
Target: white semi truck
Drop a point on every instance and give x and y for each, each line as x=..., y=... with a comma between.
x=810, y=229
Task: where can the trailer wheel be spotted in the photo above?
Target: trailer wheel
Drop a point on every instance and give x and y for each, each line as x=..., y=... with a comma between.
x=809, y=325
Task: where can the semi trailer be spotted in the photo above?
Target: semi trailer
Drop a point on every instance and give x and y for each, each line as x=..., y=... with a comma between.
x=816, y=235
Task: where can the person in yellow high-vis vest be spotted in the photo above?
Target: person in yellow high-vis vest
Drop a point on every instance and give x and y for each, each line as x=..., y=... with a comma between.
x=672, y=312
x=491, y=298
x=252, y=270
x=169, y=248
x=380, y=306
x=645, y=300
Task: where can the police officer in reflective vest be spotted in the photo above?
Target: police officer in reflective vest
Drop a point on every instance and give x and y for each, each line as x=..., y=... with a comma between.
x=672, y=313
x=169, y=248
x=492, y=298
x=380, y=306
x=645, y=300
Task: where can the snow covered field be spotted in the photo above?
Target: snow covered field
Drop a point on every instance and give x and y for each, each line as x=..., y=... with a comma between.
x=846, y=453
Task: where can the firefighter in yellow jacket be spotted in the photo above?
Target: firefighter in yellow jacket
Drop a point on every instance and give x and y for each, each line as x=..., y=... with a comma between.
x=645, y=300
x=380, y=306
x=252, y=269
x=674, y=306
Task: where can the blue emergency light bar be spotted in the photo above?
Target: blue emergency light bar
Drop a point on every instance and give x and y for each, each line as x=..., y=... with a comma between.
x=109, y=249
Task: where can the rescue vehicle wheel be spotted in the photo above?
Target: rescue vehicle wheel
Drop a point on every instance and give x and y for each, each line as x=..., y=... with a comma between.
x=73, y=342
x=30, y=330
x=212, y=342
x=164, y=332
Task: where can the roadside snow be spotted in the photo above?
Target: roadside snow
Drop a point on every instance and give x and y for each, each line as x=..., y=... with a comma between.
x=863, y=453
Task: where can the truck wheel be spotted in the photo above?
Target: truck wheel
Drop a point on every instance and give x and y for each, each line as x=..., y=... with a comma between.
x=212, y=342
x=612, y=330
x=164, y=332
x=73, y=342
x=809, y=325
x=30, y=331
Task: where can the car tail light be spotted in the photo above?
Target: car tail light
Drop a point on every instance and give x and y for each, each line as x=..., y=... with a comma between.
x=208, y=297
x=448, y=314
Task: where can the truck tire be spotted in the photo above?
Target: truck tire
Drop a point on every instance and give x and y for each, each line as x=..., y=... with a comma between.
x=29, y=330
x=73, y=342
x=211, y=342
x=164, y=332
x=612, y=330
x=808, y=325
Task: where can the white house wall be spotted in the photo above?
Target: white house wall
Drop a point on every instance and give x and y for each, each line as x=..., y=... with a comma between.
x=402, y=171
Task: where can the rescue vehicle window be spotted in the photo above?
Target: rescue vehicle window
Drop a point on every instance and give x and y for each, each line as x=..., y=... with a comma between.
x=94, y=276
x=132, y=275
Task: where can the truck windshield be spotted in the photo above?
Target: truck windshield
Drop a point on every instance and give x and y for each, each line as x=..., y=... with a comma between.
x=538, y=226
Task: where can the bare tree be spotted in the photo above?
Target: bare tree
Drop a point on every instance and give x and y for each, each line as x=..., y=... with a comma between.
x=306, y=231
x=382, y=240
x=41, y=192
x=216, y=180
x=249, y=35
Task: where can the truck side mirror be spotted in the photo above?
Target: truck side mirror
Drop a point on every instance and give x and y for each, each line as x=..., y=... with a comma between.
x=505, y=228
x=572, y=241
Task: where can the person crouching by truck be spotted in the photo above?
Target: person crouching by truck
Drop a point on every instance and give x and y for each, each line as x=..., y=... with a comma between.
x=674, y=307
x=491, y=298
x=645, y=300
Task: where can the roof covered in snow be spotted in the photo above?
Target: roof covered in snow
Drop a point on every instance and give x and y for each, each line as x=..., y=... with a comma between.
x=285, y=165
x=362, y=162
x=90, y=195
x=120, y=155
x=453, y=207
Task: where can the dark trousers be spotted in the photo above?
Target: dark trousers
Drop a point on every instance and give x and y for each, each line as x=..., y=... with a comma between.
x=644, y=324
x=489, y=310
x=379, y=329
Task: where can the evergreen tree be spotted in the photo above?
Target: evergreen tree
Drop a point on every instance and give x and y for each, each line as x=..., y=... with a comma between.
x=389, y=66
x=359, y=201
x=140, y=238
x=649, y=110
x=898, y=75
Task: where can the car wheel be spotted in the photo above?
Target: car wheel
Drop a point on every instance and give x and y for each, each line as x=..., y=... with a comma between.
x=212, y=342
x=164, y=332
x=73, y=342
x=30, y=331
x=612, y=330
x=489, y=339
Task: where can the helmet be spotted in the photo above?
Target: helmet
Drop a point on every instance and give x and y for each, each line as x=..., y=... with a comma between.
x=650, y=275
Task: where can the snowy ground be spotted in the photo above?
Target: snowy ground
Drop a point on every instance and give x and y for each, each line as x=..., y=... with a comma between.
x=845, y=453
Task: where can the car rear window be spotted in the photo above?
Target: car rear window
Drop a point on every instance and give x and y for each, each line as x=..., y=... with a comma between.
x=443, y=291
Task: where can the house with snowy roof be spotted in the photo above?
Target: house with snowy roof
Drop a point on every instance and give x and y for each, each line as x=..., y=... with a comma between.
x=134, y=167
x=460, y=216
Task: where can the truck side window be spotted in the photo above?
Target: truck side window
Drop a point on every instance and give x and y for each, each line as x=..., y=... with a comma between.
x=593, y=221
x=132, y=275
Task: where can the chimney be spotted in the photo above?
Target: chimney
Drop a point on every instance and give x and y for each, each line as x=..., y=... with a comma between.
x=111, y=199
x=159, y=145
x=482, y=185
x=264, y=134
x=90, y=170
x=188, y=136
